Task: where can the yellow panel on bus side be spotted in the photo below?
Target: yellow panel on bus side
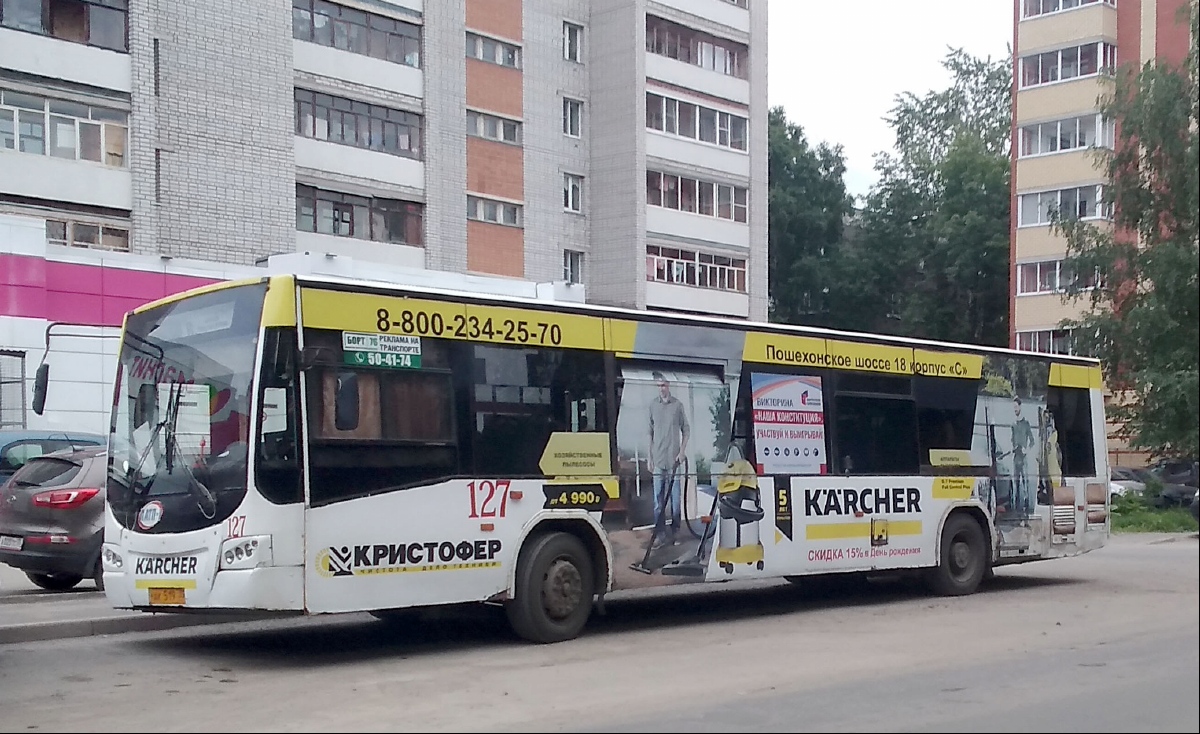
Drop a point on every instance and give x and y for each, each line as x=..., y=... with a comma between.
x=1072, y=375
x=371, y=313
x=279, y=309
x=947, y=364
x=870, y=357
x=784, y=349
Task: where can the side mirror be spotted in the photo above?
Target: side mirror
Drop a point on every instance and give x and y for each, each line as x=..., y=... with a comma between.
x=345, y=416
x=40, y=381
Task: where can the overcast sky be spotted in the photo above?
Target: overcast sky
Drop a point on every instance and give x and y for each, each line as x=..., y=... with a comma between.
x=836, y=66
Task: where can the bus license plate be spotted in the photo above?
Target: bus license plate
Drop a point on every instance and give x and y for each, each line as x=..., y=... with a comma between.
x=166, y=596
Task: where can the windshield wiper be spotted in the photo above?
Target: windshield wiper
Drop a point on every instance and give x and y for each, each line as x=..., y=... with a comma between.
x=134, y=472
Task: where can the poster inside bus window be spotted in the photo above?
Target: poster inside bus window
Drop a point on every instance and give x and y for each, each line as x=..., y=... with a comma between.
x=789, y=424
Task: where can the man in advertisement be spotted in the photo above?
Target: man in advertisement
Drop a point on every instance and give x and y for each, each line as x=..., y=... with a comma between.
x=669, y=433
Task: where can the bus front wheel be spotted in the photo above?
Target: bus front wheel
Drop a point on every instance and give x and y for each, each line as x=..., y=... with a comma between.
x=963, y=561
x=554, y=589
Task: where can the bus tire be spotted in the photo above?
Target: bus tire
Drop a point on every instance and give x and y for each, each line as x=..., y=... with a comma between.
x=963, y=560
x=554, y=589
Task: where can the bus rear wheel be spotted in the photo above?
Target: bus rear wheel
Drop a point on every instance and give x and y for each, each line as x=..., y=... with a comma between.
x=554, y=589
x=963, y=560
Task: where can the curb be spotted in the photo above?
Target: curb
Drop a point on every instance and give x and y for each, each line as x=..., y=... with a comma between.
x=38, y=631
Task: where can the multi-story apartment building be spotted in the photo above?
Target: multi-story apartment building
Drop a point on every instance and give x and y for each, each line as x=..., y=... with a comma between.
x=615, y=144
x=1066, y=53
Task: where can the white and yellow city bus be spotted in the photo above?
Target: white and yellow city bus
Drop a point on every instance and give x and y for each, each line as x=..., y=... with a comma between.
x=310, y=444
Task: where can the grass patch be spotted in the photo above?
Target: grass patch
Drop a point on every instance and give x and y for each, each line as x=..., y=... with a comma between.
x=1133, y=515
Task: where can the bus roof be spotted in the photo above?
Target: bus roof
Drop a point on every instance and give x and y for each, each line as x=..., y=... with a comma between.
x=381, y=287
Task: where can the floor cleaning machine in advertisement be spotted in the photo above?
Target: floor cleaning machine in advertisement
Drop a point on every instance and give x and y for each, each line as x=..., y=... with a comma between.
x=739, y=510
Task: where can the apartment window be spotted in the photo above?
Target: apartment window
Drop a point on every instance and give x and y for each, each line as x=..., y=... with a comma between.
x=1050, y=276
x=573, y=42
x=92, y=235
x=572, y=266
x=696, y=122
x=1083, y=202
x=711, y=199
x=350, y=122
x=493, y=51
x=690, y=46
x=1068, y=63
x=101, y=23
x=572, y=117
x=359, y=217
x=33, y=124
x=357, y=31
x=482, y=125
x=1088, y=131
x=1047, y=341
x=1033, y=8
x=496, y=212
x=693, y=268
x=572, y=192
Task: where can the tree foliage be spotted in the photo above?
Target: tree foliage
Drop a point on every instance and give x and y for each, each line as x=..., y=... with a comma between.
x=808, y=208
x=932, y=255
x=1143, y=319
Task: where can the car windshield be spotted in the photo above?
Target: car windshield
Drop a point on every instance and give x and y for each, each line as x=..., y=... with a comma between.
x=180, y=420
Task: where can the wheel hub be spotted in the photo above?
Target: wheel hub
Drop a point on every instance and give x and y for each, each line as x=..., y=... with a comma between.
x=562, y=590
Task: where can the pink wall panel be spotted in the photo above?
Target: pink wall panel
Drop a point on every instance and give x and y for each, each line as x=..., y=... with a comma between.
x=81, y=294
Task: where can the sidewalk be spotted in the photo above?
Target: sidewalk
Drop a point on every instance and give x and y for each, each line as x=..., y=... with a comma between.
x=29, y=614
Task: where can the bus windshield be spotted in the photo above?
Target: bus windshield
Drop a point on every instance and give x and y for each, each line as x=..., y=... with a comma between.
x=181, y=407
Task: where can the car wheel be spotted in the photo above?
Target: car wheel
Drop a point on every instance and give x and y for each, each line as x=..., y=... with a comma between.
x=554, y=589
x=98, y=575
x=54, y=581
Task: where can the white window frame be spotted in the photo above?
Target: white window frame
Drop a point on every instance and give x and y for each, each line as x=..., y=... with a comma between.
x=1106, y=55
x=494, y=127
x=494, y=211
x=493, y=50
x=572, y=266
x=573, y=193
x=572, y=117
x=1057, y=6
x=1103, y=133
x=572, y=42
x=1044, y=201
x=1045, y=341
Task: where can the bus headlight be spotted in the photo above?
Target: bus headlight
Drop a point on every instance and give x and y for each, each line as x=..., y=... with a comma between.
x=250, y=551
x=111, y=559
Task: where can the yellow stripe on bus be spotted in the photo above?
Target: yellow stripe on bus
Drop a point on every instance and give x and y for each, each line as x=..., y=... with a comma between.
x=804, y=351
x=363, y=312
x=164, y=584
x=211, y=287
x=844, y=530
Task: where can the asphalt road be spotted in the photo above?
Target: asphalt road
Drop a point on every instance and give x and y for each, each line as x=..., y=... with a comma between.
x=1109, y=641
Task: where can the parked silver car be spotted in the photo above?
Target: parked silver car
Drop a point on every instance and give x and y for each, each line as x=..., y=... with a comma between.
x=52, y=517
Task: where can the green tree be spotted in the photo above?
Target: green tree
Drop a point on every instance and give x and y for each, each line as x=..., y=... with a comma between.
x=932, y=258
x=1143, y=319
x=808, y=208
